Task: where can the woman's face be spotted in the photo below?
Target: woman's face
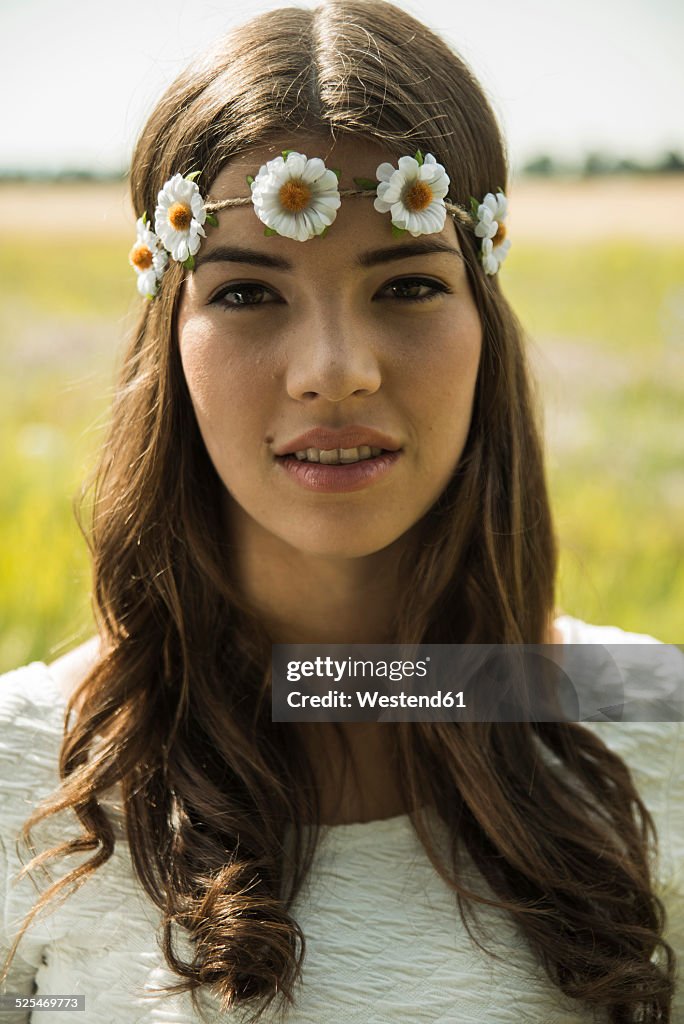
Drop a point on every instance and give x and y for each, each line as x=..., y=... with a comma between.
x=329, y=339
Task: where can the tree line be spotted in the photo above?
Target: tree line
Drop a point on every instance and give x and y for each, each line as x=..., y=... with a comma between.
x=595, y=164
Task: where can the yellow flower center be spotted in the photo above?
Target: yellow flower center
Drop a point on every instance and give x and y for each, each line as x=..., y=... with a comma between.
x=500, y=234
x=141, y=257
x=418, y=196
x=295, y=196
x=180, y=216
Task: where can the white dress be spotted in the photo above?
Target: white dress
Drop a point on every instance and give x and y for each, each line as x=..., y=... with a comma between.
x=385, y=942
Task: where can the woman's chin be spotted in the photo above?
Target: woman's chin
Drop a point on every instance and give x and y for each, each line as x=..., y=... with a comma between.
x=341, y=543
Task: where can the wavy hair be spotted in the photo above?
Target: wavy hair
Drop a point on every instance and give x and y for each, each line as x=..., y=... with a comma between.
x=176, y=713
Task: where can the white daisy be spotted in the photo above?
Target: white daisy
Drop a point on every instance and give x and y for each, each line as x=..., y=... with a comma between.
x=296, y=197
x=148, y=259
x=414, y=193
x=490, y=227
x=493, y=256
x=179, y=217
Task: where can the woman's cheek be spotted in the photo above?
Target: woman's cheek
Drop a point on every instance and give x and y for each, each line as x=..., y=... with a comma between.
x=197, y=378
x=441, y=363
x=208, y=368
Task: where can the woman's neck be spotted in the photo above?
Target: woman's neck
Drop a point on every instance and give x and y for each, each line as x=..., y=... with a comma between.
x=303, y=598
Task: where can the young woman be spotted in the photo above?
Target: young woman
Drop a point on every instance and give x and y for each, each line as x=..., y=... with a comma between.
x=324, y=432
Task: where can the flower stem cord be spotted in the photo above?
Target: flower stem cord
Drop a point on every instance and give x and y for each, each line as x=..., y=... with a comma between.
x=298, y=197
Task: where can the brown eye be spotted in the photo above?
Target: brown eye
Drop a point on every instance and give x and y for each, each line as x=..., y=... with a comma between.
x=413, y=286
x=241, y=295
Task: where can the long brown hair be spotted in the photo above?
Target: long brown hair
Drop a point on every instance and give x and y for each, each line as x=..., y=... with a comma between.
x=177, y=712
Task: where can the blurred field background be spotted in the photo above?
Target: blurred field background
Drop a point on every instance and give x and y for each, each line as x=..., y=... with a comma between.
x=596, y=274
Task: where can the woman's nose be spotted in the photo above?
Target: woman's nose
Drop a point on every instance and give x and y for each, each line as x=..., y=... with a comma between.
x=332, y=358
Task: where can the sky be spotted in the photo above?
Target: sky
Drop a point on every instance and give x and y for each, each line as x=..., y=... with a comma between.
x=79, y=77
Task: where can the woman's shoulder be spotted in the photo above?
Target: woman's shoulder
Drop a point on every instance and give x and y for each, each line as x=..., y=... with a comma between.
x=640, y=703
x=577, y=631
x=644, y=725
x=623, y=676
x=31, y=729
x=29, y=697
x=33, y=702
x=46, y=687
x=71, y=669
x=645, y=728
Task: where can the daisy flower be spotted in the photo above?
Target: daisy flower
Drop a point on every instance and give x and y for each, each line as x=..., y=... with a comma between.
x=148, y=259
x=490, y=215
x=493, y=255
x=295, y=197
x=179, y=217
x=414, y=193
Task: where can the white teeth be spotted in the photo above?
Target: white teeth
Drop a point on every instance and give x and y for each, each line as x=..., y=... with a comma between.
x=349, y=454
x=337, y=456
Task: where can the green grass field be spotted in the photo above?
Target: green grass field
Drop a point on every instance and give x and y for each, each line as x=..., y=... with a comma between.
x=606, y=324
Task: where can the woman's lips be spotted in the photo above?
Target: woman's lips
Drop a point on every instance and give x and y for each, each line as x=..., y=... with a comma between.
x=328, y=438
x=352, y=476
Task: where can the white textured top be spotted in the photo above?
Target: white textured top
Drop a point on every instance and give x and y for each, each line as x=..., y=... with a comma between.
x=385, y=942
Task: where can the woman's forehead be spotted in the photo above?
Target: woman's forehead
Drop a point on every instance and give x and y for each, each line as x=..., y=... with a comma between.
x=357, y=223
x=354, y=156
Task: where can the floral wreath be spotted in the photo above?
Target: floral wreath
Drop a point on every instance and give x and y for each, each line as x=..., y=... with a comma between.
x=297, y=197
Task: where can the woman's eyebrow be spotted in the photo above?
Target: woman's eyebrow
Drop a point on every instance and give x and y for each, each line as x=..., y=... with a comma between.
x=371, y=258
